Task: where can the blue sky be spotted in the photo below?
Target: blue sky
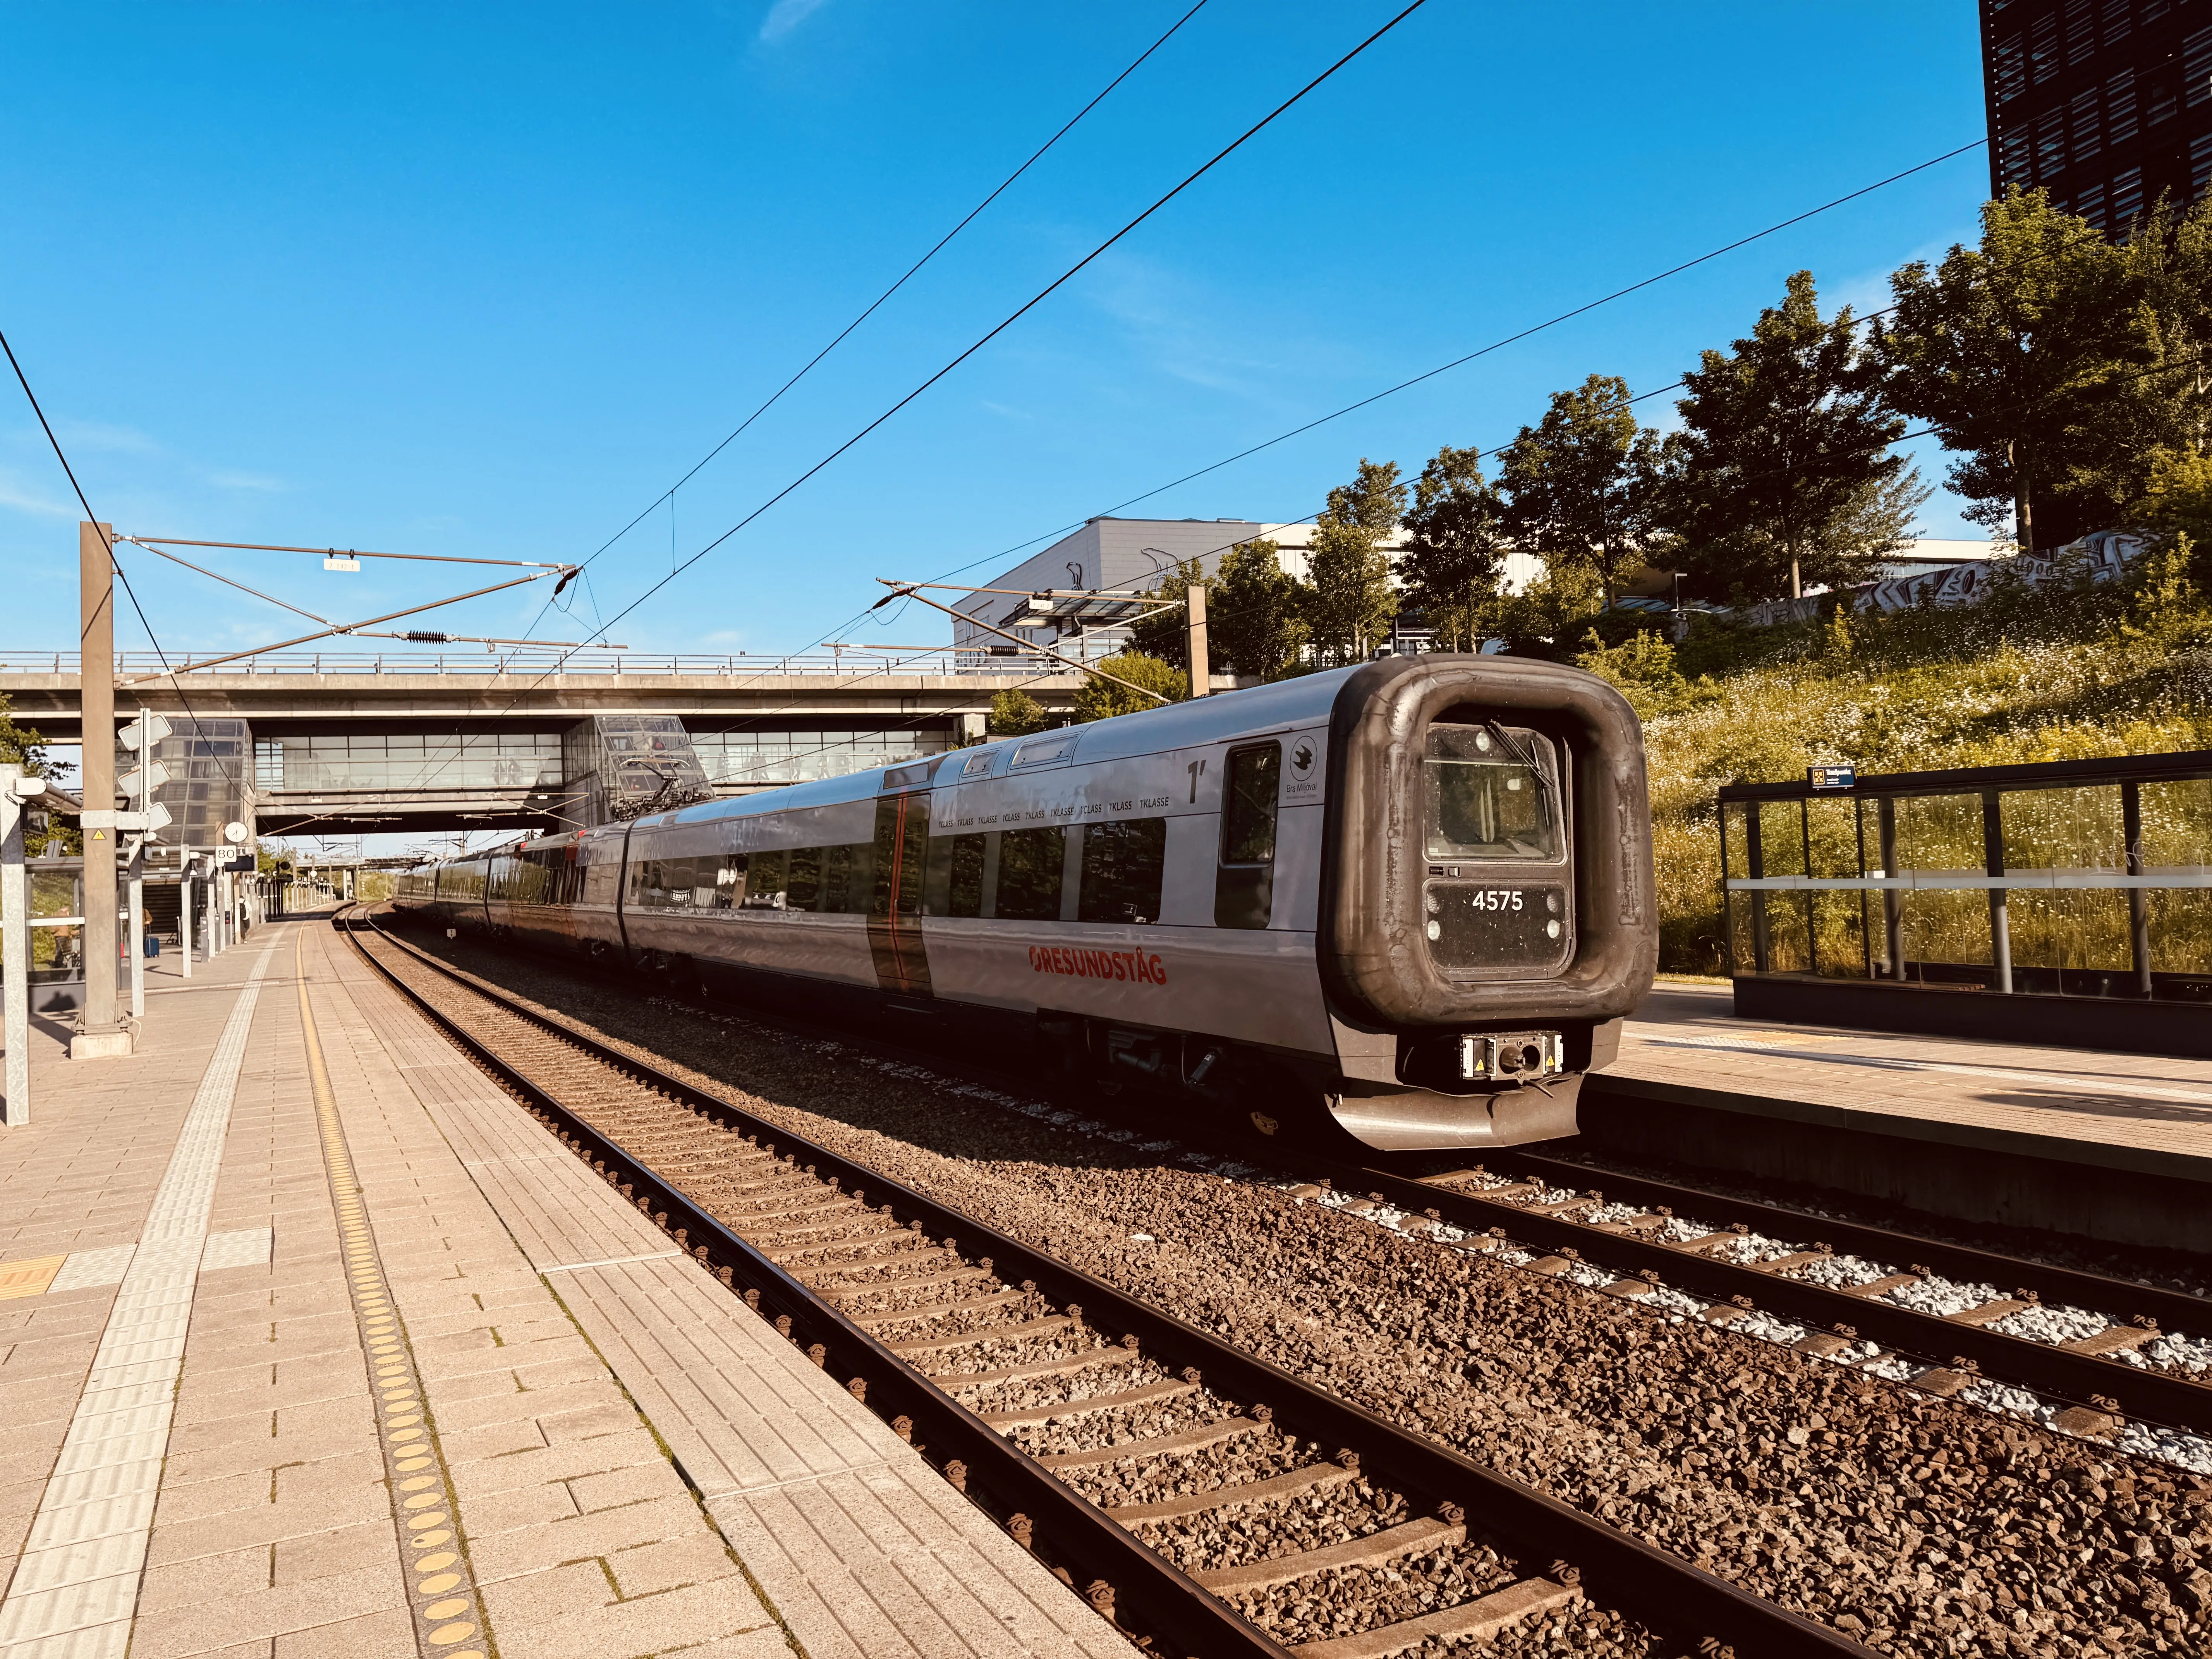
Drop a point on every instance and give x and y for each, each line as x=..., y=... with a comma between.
x=487, y=279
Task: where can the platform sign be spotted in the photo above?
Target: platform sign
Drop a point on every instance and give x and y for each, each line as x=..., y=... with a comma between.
x=1832, y=777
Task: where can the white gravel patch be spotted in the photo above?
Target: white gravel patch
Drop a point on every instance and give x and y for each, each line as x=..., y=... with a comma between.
x=2174, y=1352
x=2008, y=1401
x=1675, y=1302
x=1767, y=1327
x=1938, y=1295
x=2050, y=1323
x=1615, y=1212
x=2192, y=1452
x=1839, y=1273
x=1590, y=1278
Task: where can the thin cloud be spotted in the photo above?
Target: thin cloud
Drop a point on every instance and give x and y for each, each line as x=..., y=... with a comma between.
x=101, y=436
x=27, y=501
x=785, y=16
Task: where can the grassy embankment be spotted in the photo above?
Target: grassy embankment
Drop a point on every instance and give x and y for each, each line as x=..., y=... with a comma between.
x=2057, y=674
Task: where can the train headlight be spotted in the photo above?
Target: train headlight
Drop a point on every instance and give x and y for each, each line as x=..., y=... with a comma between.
x=1551, y=930
x=1436, y=929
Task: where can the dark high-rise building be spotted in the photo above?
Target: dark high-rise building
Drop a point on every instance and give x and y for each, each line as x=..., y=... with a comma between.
x=2105, y=103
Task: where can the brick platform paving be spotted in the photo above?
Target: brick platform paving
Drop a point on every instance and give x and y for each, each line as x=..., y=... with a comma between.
x=627, y=1462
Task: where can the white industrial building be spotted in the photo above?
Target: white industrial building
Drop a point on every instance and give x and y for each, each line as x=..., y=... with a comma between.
x=1065, y=598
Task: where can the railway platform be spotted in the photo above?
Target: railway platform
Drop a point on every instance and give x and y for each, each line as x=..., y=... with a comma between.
x=2108, y=1145
x=312, y=1342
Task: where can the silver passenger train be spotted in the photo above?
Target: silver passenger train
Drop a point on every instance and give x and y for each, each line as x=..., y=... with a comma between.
x=1413, y=897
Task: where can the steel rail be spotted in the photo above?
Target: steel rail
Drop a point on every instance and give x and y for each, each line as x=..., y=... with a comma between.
x=2071, y=1377
x=1639, y=1579
x=2173, y=1310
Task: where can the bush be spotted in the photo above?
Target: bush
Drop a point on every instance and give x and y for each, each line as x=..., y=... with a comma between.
x=1016, y=714
x=1097, y=700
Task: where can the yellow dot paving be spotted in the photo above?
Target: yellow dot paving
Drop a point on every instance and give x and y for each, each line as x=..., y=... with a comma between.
x=447, y=1620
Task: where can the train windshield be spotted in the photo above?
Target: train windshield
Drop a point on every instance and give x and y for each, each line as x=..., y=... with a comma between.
x=1491, y=793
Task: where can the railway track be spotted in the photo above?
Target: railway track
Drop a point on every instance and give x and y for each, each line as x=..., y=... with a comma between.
x=1896, y=1306
x=1644, y=1227
x=1205, y=1501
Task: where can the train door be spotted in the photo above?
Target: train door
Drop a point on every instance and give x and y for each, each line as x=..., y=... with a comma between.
x=894, y=907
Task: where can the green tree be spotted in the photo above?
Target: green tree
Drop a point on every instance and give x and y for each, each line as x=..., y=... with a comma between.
x=1097, y=699
x=1353, y=601
x=1255, y=621
x=1784, y=444
x=1583, y=484
x=1164, y=631
x=1456, y=553
x=1016, y=713
x=1542, y=616
x=2019, y=352
x=20, y=745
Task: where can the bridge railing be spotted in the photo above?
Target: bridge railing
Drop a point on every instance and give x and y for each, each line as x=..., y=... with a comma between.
x=530, y=663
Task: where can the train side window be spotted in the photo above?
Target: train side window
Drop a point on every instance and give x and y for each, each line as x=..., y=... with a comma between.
x=1032, y=863
x=600, y=877
x=705, y=881
x=729, y=881
x=1123, y=867
x=765, y=881
x=841, y=894
x=805, y=890
x=965, y=895
x=1244, y=879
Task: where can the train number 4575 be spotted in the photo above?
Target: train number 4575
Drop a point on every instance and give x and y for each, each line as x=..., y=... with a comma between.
x=1495, y=898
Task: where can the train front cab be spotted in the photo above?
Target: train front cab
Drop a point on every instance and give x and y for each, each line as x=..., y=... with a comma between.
x=1487, y=917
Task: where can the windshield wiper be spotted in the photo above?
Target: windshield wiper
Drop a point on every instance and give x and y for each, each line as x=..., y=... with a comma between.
x=1519, y=754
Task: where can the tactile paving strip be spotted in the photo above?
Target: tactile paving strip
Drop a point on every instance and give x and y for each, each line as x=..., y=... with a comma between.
x=76, y=1585
x=442, y=1589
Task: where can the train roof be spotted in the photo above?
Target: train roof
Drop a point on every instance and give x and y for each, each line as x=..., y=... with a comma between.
x=1222, y=717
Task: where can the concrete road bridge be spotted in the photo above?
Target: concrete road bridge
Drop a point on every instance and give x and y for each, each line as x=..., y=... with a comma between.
x=336, y=743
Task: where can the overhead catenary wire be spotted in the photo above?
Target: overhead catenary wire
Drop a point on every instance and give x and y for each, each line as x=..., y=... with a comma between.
x=904, y=278
x=1495, y=345
x=999, y=328
x=107, y=540
x=1031, y=303
x=1587, y=306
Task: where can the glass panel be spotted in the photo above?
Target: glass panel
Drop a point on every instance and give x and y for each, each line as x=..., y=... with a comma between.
x=966, y=897
x=1248, y=819
x=804, y=891
x=1838, y=918
x=845, y=879
x=765, y=881
x=1123, y=867
x=1946, y=934
x=1780, y=844
x=2177, y=838
x=1038, y=751
x=2071, y=940
x=1737, y=919
x=1031, y=866
x=1484, y=799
